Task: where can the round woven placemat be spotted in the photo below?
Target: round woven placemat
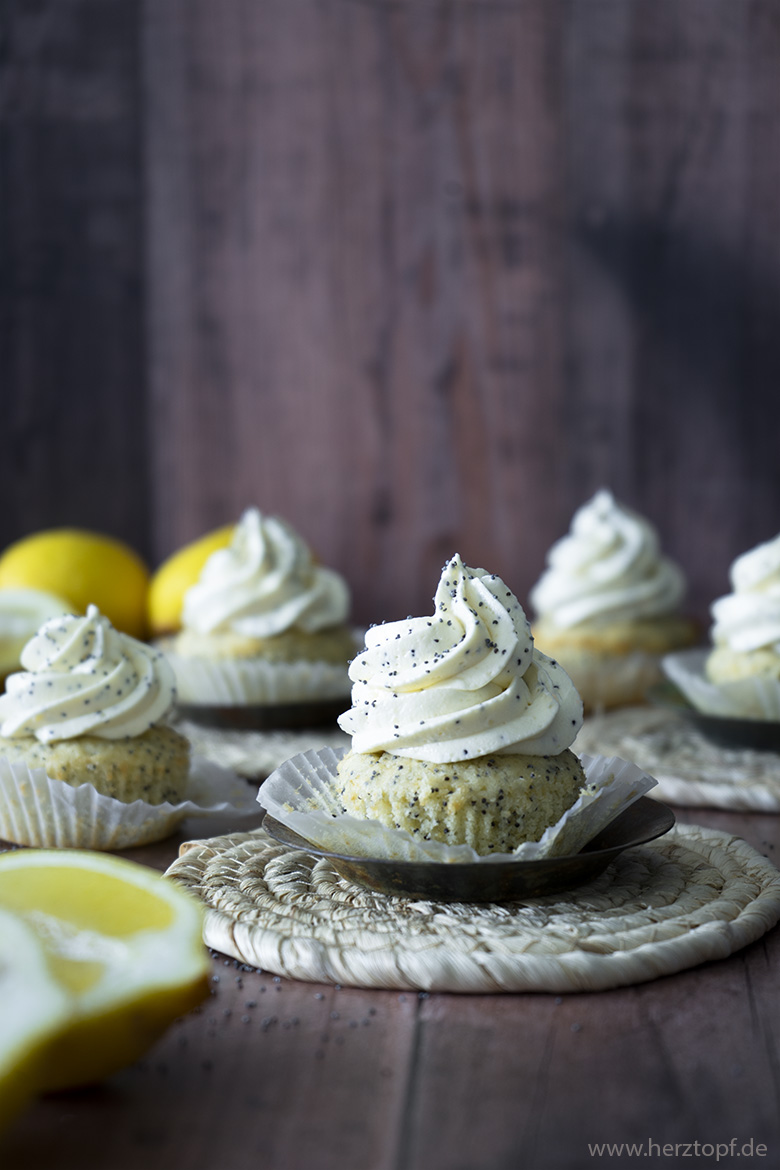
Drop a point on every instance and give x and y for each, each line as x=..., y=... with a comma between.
x=255, y=754
x=694, y=895
x=690, y=770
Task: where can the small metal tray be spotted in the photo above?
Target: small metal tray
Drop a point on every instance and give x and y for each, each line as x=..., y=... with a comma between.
x=760, y=735
x=498, y=881
x=266, y=717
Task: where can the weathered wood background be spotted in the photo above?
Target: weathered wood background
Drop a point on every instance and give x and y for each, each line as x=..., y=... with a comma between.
x=418, y=276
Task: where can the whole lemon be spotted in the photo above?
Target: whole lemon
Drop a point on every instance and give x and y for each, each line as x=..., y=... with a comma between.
x=176, y=575
x=83, y=568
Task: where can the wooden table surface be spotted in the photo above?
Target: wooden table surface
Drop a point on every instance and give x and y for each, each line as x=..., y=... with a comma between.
x=277, y=1075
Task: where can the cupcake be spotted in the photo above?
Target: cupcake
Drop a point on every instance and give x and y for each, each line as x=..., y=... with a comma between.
x=746, y=623
x=264, y=624
x=607, y=606
x=88, y=708
x=22, y=612
x=739, y=675
x=460, y=728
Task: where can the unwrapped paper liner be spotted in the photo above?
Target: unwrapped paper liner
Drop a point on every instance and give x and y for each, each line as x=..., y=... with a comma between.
x=40, y=811
x=746, y=698
x=222, y=682
x=303, y=794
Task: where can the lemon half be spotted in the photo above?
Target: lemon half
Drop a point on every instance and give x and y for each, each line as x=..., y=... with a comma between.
x=33, y=1008
x=122, y=944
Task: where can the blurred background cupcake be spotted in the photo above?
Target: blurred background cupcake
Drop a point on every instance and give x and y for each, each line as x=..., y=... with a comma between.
x=22, y=611
x=608, y=604
x=739, y=675
x=746, y=622
x=90, y=707
x=264, y=625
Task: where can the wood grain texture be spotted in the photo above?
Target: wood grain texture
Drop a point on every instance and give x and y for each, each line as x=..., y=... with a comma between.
x=424, y=278
x=420, y=278
x=370, y=269
x=74, y=435
x=292, y=1076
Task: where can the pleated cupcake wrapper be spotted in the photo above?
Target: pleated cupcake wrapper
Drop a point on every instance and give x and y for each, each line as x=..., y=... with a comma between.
x=37, y=810
x=303, y=794
x=626, y=676
x=748, y=698
x=240, y=682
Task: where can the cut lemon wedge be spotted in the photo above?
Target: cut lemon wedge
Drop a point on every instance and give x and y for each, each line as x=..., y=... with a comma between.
x=33, y=1008
x=122, y=945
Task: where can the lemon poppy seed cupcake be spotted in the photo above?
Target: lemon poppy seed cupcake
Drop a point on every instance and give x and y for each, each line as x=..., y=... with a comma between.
x=461, y=729
x=89, y=708
x=264, y=624
x=746, y=622
x=608, y=604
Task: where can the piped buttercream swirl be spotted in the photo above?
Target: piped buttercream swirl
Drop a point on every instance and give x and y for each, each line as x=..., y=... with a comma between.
x=264, y=583
x=749, y=618
x=465, y=682
x=83, y=677
x=607, y=568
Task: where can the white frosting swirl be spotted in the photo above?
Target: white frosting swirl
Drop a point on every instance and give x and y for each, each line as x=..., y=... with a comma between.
x=749, y=618
x=22, y=612
x=82, y=677
x=607, y=568
x=466, y=682
x=264, y=583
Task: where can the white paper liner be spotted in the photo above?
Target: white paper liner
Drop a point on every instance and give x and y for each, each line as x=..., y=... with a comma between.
x=43, y=812
x=243, y=681
x=624, y=678
x=302, y=794
x=748, y=698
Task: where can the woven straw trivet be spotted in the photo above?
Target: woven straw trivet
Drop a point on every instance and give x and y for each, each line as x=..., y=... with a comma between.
x=255, y=754
x=690, y=770
x=694, y=895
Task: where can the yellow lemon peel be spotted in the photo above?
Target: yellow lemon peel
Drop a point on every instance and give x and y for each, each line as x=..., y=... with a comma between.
x=123, y=947
x=83, y=568
x=176, y=575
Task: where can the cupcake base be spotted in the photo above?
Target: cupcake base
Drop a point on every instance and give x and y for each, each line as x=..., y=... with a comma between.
x=152, y=767
x=40, y=811
x=246, y=682
x=492, y=803
x=614, y=665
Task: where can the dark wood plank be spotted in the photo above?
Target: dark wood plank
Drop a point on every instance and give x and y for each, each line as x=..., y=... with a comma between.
x=673, y=147
x=73, y=444
x=420, y=278
x=354, y=247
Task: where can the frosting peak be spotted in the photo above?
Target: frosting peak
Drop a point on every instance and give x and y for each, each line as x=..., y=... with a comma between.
x=749, y=617
x=608, y=567
x=264, y=583
x=466, y=682
x=83, y=677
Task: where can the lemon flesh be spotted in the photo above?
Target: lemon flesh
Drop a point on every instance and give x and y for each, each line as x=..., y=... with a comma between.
x=33, y=1008
x=176, y=575
x=83, y=568
x=122, y=943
